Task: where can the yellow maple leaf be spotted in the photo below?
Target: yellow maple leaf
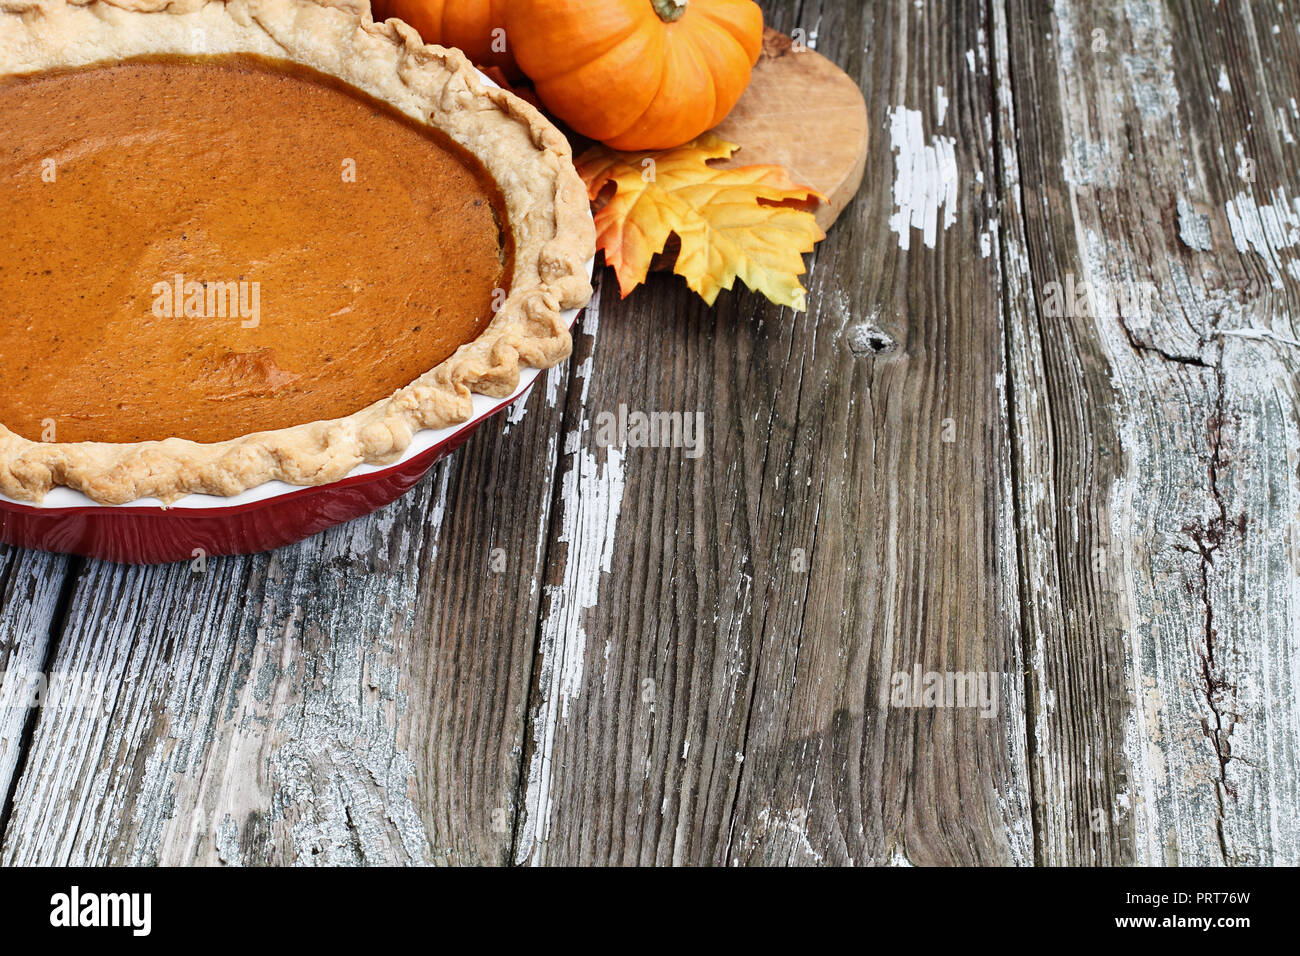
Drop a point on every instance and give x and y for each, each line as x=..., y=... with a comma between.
x=748, y=223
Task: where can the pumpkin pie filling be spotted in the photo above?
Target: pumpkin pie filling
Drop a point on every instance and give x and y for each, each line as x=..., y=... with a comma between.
x=208, y=247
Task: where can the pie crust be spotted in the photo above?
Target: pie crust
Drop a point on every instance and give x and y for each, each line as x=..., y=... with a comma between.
x=531, y=162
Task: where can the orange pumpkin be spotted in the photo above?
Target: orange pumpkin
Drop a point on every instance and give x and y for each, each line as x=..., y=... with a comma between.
x=637, y=74
x=478, y=27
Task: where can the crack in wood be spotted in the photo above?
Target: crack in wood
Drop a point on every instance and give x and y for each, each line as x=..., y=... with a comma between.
x=63, y=608
x=1006, y=172
x=1209, y=539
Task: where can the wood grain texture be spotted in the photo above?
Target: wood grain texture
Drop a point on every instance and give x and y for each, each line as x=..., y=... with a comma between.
x=681, y=659
x=720, y=630
x=30, y=590
x=1156, y=447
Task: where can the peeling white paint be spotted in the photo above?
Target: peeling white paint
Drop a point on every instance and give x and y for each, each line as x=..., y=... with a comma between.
x=1065, y=40
x=590, y=500
x=1265, y=229
x=986, y=238
x=1284, y=128
x=1149, y=69
x=550, y=381
x=898, y=858
x=1193, y=227
x=925, y=179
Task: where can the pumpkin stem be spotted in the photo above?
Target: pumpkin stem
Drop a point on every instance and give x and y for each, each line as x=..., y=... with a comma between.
x=669, y=10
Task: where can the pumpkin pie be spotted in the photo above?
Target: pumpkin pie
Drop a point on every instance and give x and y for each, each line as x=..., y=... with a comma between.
x=261, y=240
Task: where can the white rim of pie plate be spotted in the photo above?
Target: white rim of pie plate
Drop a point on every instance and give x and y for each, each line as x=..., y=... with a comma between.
x=65, y=499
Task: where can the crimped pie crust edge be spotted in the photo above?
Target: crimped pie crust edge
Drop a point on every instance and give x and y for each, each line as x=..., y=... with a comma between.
x=530, y=160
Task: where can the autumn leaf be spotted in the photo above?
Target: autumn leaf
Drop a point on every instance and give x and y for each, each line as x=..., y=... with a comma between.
x=749, y=223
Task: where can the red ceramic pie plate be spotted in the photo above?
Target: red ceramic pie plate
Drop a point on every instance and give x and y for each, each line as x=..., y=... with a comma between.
x=262, y=519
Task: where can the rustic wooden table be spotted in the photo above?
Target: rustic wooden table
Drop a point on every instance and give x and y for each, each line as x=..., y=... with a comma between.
x=558, y=652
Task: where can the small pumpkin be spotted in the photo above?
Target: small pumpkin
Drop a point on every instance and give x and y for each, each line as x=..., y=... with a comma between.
x=637, y=74
x=477, y=27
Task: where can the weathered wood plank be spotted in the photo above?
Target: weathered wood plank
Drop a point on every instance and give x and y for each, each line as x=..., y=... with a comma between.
x=720, y=631
x=358, y=698
x=31, y=585
x=1156, y=447
x=701, y=680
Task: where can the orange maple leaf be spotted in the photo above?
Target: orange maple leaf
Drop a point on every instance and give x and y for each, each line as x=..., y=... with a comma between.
x=749, y=223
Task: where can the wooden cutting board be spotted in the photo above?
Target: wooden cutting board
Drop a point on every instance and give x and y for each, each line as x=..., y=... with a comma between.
x=803, y=112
